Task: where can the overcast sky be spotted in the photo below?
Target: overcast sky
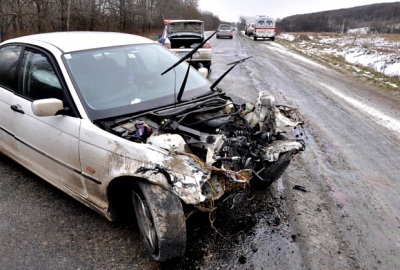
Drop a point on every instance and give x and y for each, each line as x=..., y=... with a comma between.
x=230, y=10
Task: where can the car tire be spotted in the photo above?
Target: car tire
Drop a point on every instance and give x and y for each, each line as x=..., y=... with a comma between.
x=161, y=221
x=255, y=38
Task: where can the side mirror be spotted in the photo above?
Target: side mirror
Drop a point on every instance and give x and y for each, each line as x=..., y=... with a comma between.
x=203, y=71
x=47, y=107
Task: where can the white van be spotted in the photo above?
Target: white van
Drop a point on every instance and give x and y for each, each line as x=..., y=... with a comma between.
x=264, y=28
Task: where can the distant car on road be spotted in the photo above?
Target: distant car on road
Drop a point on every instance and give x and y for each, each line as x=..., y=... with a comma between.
x=249, y=29
x=225, y=30
x=181, y=36
x=264, y=28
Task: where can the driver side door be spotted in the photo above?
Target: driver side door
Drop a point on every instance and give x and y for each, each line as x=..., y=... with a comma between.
x=47, y=145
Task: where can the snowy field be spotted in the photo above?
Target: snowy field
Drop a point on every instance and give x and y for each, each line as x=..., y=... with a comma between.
x=375, y=57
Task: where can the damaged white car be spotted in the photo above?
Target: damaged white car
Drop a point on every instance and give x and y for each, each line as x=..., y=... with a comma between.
x=116, y=120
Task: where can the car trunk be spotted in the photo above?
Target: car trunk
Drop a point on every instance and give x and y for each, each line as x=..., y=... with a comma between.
x=185, y=41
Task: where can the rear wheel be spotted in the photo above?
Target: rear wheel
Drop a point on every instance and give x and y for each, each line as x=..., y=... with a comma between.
x=161, y=221
x=255, y=38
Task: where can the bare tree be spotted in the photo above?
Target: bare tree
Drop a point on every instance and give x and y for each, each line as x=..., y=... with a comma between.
x=132, y=16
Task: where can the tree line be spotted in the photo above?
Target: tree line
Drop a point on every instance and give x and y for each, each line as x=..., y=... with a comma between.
x=143, y=17
x=379, y=18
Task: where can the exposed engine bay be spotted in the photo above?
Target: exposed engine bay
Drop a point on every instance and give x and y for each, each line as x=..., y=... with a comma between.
x=233, y=143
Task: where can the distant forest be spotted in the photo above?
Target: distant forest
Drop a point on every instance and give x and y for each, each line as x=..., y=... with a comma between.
x=142, y=17
x=379, y=18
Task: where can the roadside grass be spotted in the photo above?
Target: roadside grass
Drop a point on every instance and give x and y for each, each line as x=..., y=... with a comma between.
x=326, y=49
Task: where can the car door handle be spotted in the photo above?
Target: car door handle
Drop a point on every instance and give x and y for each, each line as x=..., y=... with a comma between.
x=17, y=108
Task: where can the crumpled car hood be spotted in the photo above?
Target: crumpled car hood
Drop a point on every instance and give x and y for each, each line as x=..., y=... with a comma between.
x=216, y=148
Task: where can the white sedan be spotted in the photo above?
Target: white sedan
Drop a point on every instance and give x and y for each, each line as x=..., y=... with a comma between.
x=115, y=121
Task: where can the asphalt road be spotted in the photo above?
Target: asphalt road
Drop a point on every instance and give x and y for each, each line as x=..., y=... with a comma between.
x=347, y=219
x=350, y=216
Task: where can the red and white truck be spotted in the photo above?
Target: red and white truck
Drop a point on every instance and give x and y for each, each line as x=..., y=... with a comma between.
x=264, y=27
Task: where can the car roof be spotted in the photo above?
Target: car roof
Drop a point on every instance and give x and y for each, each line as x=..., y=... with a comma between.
x=264, y=18
x=81, y=40
x=170, y=21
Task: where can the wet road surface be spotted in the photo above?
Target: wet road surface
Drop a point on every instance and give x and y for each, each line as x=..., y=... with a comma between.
x=350, y=216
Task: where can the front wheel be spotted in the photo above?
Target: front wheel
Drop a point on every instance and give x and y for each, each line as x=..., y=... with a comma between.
x=161, y=221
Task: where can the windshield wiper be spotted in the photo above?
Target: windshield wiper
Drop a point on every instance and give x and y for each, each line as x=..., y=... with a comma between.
x=226, y=72
x=190, y=54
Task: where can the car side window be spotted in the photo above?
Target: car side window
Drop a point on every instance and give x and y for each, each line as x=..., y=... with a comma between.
x=9, y=56
x=39, y=81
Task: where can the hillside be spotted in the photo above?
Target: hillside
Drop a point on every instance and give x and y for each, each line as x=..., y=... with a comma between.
x=379, y=18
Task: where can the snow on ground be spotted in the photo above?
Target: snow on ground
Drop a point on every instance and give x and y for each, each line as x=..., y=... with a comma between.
x=381, y=53
x=378, y=116
x=283, y=50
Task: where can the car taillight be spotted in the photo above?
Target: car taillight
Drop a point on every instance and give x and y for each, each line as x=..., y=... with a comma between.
x=207, y=45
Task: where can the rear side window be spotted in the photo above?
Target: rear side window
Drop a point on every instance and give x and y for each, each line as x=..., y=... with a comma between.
x=261, y=23
x=9, y=56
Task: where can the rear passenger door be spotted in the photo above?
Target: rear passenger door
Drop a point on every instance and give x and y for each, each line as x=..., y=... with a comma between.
x=47, y=145
x=9, y=57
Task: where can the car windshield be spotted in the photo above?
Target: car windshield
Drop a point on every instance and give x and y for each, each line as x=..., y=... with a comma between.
x=127, y=79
